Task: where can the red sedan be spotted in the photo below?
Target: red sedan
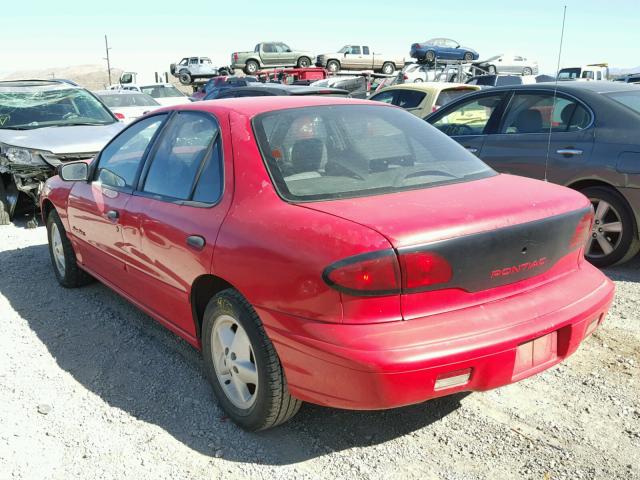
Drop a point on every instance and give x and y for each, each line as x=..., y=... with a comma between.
x=333, y=251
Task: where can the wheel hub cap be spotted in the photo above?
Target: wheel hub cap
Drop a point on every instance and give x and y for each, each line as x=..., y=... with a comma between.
x=606, y=232
x=234, y=361
x=57, y=249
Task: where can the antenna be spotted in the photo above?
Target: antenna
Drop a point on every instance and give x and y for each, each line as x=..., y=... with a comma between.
x=107, y=48
x=555, y=92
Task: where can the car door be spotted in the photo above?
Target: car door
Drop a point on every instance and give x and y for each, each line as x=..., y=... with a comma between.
x=269, y=54
x=286, y=56
x=468, y=121
x=194, y=65
x=535, y=125
x=353, y=58
x=97, y=209
x=181, y=199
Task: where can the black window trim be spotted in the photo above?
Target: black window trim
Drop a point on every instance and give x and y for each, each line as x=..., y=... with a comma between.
x=538, y=91
x=148, y=160
x=95, y=167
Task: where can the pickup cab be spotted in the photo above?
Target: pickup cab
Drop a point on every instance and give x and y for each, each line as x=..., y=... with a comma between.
x=585, y=73
x=270, y=54
x=359, y=57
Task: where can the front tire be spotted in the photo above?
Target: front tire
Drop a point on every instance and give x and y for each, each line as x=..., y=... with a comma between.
x=63, y=257
x=185, y=78
x=5, y=209
x=304, y=62
x=430, y=56
x=333, y=66
x=243, y=366
x=613, y=238
x=527, y=71
x=468, y=56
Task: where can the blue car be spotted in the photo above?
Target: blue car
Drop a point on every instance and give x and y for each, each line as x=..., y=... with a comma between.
x=442, y=49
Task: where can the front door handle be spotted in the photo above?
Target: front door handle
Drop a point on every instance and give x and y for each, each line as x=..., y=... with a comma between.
x=569, y=151
x=471, y=149
x=113, y=215
x=196, y=241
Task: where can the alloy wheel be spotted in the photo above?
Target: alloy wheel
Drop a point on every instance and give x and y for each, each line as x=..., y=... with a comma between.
x=234, y=361
x=57, y=249
x=606, y=232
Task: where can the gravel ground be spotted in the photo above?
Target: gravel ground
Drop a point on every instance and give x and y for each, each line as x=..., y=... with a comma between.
x=90, y=387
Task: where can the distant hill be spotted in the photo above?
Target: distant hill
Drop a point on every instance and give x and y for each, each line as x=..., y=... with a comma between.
x=93, y=77
x=623, y=71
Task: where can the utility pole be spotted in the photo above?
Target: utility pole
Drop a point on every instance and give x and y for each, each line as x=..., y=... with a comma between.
x=106, y=47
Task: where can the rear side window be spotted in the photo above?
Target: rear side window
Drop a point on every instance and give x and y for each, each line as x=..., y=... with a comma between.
x=541, y=113
x=447, y=96
x=185, y=154
x=328, y=152
x=470, y=117
x=400, y=98
x=365, y=50
x=119, y=161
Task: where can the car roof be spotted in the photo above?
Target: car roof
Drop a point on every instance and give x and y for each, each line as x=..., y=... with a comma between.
x=430, y=87
x=252, y=106
x=283, y=88
x=575, y=86
x=38, y=84
x=117, y=92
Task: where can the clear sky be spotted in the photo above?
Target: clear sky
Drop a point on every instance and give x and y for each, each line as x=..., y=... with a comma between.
x=147, y=35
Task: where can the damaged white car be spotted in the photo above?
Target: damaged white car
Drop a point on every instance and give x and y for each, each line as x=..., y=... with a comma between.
x=44, y=123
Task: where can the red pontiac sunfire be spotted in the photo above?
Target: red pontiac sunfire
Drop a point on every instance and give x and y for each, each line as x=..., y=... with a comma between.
x=332, y=251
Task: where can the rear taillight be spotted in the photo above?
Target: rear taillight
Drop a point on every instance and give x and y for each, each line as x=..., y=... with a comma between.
x=371, y=274
x=119, y=115
x=405, y=77
x=583, y=230
x=421, y=270
x=381, y=273
x=235, y=56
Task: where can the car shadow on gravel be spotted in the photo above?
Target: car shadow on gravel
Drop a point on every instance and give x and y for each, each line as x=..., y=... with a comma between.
x=137, y=366
x=627, y=272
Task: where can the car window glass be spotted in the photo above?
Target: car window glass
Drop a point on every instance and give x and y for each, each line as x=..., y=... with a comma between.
x=539, y=113
x=320, y=153
x=408, y=98
x=209, y=185
x=119, y=161
x=355, y=50
x=447, y=96
x=365, y=50
x=179, y=156
x=469, y=118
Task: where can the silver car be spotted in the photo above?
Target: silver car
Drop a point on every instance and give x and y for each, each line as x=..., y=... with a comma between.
x=44, y=123
x=515, y=64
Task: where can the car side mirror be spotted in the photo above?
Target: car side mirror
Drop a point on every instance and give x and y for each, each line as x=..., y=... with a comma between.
x=457, y=46
x=74, y=172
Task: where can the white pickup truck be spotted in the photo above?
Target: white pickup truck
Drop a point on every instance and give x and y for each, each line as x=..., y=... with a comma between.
x=359, y=57
x=594, y=71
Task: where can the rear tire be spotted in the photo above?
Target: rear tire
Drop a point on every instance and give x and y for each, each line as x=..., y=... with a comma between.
x=613, y=238
x=468, y=56
x=430, y=56
x=63, y=257
x=304, y=62
x=251, y=67
x=527, y=71
x=255, y=396
x=388, y=68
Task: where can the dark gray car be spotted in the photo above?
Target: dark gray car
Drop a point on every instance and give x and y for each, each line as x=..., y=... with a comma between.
x=585, y=135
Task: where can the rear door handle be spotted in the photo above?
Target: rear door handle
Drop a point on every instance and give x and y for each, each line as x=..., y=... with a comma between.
x=471, y=149
x=196, y=241
x=113, y=215
x=569, y=151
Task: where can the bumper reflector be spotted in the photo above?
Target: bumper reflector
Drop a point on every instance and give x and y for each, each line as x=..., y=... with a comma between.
x=592, y=326
x=453, y=379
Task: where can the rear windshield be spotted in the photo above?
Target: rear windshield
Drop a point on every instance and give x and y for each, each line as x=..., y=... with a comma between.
x=628, y=99
x=400, y=97
x=341, y=151
x=162, y=91
x=128, y=100
x=447, y=96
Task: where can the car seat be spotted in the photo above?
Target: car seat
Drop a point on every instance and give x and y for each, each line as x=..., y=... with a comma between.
x=528, y=121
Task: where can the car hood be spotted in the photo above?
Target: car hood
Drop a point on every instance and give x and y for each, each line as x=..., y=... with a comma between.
x=71, y=139
x=427, y=215
x=171, y=101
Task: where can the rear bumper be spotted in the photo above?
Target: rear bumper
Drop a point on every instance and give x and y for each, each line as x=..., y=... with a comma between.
x=378, y=366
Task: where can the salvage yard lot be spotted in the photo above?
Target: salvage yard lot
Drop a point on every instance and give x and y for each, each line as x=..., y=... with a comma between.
x=90, y=387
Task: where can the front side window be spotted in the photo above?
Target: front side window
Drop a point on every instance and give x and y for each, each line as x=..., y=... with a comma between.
x=355, y=50
x=180, y=157
x=329, y=152
x=119, y=161
x=469, y=118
